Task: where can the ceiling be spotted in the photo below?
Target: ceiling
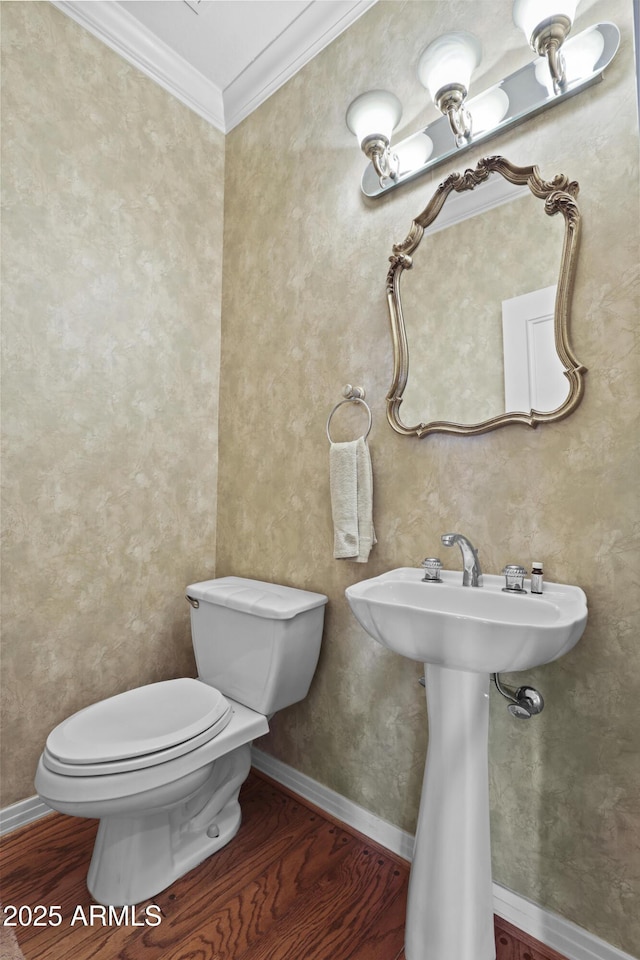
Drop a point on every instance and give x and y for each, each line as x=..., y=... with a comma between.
x=222, y=58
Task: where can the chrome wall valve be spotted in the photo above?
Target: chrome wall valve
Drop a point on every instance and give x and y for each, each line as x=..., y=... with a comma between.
x=524, y=702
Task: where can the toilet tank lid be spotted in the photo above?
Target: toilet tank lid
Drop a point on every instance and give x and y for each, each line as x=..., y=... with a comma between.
x=270, y=600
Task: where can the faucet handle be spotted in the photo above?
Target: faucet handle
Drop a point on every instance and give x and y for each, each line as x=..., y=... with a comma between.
x=514, y=575
x=432, y=568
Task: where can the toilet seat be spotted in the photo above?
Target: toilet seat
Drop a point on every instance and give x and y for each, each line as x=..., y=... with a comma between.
x=81, y=793
x=139, y=728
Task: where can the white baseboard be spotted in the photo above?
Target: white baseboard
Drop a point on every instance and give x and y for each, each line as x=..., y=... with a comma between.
x=562, y=935
x=21, y=813
x=549, y=928
x=567, y=938
x=388, y=835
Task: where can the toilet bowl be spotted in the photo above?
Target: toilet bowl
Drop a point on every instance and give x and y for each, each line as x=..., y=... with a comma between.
x=161, y=766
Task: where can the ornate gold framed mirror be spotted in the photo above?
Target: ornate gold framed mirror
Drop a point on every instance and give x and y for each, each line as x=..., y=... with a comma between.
x=480, y=292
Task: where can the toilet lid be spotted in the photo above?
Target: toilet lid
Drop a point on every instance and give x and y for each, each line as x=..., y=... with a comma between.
x=139, y=722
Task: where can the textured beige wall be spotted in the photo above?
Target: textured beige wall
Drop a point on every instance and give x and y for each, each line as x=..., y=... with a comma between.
x=112, y=264
x=304, y=312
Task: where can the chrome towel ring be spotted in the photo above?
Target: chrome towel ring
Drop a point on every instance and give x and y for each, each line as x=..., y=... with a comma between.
x=351, y=395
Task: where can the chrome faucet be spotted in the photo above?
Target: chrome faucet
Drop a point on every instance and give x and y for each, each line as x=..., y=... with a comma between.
x=472, y=576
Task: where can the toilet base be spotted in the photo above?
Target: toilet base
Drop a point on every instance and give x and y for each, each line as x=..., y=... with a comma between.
x=135, y=857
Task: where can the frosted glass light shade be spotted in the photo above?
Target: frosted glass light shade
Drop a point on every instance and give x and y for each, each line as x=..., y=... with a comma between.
x=414, y=152
x=582, y=53
x=451, y=58
x=375, y=113
x=489, y=108
x=527, y=14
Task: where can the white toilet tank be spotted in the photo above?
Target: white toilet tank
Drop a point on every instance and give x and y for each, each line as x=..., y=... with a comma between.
x=256, y=642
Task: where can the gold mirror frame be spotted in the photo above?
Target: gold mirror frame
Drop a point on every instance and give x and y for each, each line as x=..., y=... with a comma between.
x=559, y=196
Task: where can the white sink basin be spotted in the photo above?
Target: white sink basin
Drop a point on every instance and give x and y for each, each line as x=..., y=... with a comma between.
x=462, y=634
x=479, y=629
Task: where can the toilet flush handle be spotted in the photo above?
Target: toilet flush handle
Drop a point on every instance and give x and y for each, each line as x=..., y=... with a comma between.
x=194, y=603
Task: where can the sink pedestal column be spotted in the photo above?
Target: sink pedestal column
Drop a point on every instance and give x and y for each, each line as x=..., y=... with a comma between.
x=450, y=905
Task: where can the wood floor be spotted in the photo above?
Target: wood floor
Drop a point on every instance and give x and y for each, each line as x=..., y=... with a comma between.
x=292, y=885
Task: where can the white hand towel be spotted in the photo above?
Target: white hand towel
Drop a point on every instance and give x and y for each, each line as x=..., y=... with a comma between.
x=351, y=485
x=366, y=533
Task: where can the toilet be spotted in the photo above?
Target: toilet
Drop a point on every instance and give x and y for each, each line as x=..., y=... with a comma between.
x=161, y=766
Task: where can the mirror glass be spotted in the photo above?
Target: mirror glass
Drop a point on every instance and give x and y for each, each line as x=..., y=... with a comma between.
x=478, y=340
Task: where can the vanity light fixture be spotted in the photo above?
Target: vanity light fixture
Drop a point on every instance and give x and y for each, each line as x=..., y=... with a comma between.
x=546, y=25
x=372, y=117
x=445, y=69
x=563, y=68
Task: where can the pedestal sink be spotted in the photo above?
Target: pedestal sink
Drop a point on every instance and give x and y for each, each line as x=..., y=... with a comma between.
x=462, y=635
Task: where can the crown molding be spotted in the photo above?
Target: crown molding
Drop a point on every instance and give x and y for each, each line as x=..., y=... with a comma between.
x=111, y=23
x=309, y=33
